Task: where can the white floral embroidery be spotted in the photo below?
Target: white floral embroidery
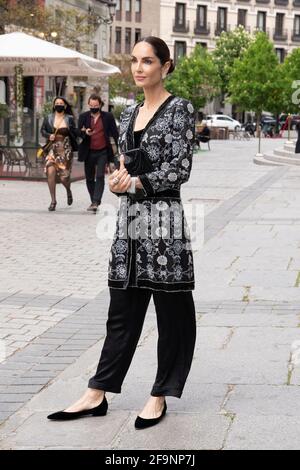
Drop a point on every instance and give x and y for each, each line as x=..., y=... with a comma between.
x=178, y=273
x=189, y=134
x=121, y=246
x=150, y=271
x=161, y=206
x=185, y=163
x=178, y=246
x=148, y=246
x=153, y=152
x=121, y=270
x=161, y=232
x=169, y=138
x=176, y=148
x=172, y=176
x=165, y=166
x=162, y=260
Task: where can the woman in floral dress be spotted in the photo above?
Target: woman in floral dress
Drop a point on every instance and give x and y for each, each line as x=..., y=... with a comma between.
x=59, y=128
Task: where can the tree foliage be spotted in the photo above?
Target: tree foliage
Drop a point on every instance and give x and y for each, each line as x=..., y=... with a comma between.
x=122, y=84
x=65, y=26
x=230, y=46
x=291, y=82
x=255, y=81
x=195, y=78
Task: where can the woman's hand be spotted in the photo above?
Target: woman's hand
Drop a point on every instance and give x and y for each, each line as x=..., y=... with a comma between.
x=124, y=179
x=52, y=137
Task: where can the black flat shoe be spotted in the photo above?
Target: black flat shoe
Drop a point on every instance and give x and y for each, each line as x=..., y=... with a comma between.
x=70, y=197
x=52, y=206
x=99, y=410
x=142, y=423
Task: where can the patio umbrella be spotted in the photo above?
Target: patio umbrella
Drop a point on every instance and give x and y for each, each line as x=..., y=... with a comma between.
x=40, y=57
x=25, y=55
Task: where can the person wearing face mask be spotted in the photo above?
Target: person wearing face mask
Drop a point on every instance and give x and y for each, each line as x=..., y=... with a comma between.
x=96, y=127
x=59, y=129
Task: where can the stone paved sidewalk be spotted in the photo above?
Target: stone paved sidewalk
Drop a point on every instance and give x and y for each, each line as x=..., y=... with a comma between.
x=243, y=389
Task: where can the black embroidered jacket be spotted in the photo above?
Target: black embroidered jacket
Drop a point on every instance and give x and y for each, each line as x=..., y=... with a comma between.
x=151, y=246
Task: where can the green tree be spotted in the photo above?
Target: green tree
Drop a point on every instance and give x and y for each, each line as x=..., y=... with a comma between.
x=253, y=82
x=230, y=46
x=277, y=100
x=291, y=82
x=65, y=26
x=195, y=78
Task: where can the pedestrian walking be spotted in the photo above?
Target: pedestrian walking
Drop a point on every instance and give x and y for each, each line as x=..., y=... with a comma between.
x=96, y=128
x=160, y=264
x=297, y=148
x=60, y=131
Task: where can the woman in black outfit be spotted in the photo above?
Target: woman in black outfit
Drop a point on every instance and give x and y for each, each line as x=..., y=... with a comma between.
x=59, y=128
x=297, y=148
x=159, y=261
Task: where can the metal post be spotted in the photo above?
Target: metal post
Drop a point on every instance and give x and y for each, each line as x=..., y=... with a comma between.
x=8, y=131
x=37, y=131
x=289, y=126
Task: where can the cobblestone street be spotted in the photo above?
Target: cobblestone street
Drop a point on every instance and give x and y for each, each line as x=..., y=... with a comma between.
x=243, y=391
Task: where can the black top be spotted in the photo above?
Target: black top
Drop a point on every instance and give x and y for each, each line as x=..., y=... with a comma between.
x=137, y=137
x=64, y=131
x=48, y=128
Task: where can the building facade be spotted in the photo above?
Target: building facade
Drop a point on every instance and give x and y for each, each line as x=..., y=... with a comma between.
x=133, y=20
x=189, y=22
x=100, y=13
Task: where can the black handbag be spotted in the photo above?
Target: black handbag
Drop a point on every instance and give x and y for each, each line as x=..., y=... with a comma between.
x=136, y=162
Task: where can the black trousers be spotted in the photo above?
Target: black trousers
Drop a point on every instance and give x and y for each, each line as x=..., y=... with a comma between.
x=94, y=168
x=176, y=339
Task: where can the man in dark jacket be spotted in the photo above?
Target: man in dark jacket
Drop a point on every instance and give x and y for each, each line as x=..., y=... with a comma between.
x=96, y=127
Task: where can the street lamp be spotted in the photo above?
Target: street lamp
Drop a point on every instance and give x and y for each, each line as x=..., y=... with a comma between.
x=53, y=35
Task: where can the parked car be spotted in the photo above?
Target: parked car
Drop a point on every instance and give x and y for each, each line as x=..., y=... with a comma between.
x=222, y=120
x=271, y=120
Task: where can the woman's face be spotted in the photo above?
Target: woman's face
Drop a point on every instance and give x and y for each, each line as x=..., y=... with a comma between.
x=145, y=66
x=59, y=102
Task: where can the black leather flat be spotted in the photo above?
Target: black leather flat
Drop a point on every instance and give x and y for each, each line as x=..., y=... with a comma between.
x=142, y=423
x=99, y=410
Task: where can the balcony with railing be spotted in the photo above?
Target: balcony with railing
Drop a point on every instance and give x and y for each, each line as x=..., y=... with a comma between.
x=296, y=3
x=263, y=2
x=296, y=35
x=201, y=30
x=280, y=35
x=257, y=30
x=220, y=28
x=246, y=28
x=281, y=2
x=181, y=27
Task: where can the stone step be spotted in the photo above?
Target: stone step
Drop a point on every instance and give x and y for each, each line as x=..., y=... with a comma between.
x=289, y=147
x=286, y=153
x=263, y=161
x=279, y=159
